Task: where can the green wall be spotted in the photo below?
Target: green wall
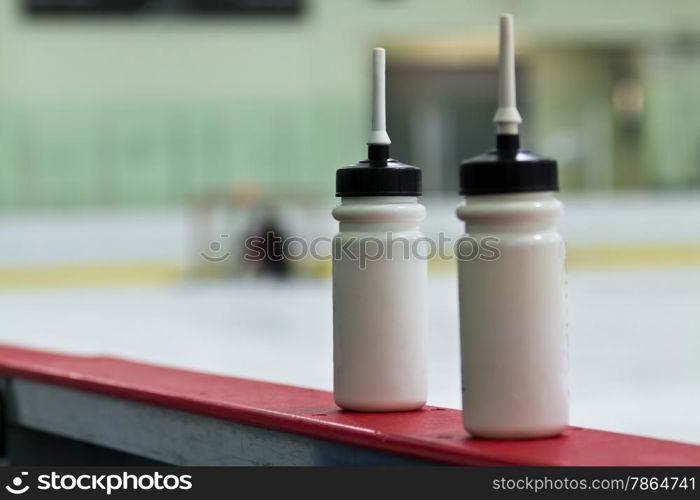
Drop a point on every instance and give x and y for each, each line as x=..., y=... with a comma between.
x=100, y=112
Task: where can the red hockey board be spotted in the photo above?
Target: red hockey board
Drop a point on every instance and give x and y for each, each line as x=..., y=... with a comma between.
x=433, y=433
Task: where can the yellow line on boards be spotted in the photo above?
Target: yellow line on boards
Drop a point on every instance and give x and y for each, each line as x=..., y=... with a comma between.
x=632, y=257
x=637, y=256
x=648, y=256
x=95, y=274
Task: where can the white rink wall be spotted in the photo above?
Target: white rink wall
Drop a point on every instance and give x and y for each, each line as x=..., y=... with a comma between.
x=177, y=235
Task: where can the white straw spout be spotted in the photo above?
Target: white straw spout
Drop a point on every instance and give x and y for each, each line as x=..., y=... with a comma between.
x=379, y=135
x=507, y=117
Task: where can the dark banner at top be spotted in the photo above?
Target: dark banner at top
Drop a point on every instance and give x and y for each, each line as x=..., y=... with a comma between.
x=163, y=7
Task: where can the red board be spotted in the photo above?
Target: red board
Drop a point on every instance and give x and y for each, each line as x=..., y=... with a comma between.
x=433, y=434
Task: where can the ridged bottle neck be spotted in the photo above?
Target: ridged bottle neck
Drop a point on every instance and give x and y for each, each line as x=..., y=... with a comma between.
x=379, y=213
x=505, y=212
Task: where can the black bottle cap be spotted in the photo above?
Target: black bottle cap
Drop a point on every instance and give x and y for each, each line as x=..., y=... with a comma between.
x=378, y=175
x=508, y=169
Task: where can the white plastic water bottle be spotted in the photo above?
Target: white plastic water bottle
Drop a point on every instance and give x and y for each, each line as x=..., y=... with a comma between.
x=512, y=304
x=379, y=277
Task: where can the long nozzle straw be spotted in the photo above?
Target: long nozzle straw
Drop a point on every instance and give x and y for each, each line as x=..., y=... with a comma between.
x=379, y=136
x=507, y=117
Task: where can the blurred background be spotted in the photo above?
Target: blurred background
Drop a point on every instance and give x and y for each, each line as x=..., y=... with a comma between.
x=142, y=141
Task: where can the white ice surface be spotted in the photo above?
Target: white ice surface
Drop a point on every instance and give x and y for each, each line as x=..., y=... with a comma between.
x=634, y=338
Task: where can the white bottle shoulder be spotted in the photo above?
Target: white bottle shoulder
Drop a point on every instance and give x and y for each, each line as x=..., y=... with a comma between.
x=380, y=209
x=510, y=208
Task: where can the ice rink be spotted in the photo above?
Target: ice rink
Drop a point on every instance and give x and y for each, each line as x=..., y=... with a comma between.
x=634, y=332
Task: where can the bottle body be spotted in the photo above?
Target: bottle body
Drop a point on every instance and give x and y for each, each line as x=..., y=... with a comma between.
x=513, y=318
x=379, y=318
